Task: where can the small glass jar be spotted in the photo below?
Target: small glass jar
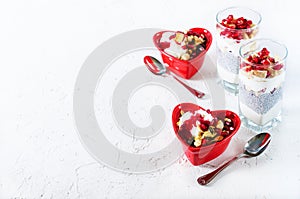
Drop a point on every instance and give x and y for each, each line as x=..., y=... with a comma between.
x=261, y=78
x=235, y=27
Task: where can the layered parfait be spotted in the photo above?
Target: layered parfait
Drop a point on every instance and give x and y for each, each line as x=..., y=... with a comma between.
x=261, y=75
x=235, y=26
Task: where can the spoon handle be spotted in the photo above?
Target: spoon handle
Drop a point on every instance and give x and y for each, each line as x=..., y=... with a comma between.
x=198, y=94
x=205, y=179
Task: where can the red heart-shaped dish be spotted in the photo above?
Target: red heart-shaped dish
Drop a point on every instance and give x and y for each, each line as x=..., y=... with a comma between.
x=183, y=52
x=214, y=130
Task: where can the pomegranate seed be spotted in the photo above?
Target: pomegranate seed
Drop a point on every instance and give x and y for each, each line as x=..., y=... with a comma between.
x=243, y=26
x=235, y=35
x=204, y=127
x=206, y=122
x=172, y=37
x=248, y=69
x=249, y=59
x=266, y=52
x=164, y=45
x=225, y=133
x=265, y=62
x=260, y=67
x=249, y=22
x=278, y=67
x=271, y=59
x=230, y=17
x=240, y=21
x=255, y=60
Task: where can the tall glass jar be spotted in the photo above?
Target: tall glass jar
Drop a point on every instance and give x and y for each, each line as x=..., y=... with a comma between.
x=235, y=27
x=261, y=77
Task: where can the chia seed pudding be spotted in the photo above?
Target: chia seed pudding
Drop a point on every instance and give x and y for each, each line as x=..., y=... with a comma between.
x=261, y=86
x=228, y=61
x=260, y=102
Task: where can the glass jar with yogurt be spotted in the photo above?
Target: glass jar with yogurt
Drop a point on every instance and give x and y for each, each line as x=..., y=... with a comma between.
x=261, y=78
x=235, y=27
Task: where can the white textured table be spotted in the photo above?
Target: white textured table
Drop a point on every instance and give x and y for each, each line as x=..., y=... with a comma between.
x=43, y=46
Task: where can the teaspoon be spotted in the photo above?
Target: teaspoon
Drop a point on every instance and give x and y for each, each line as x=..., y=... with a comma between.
x=255, y=146
x=157, y=68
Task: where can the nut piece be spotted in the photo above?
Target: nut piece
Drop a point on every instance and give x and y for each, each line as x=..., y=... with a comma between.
x=197, y=143
x=218, y=138
x=185, y=56
x=198, y=138
x=246, y=36
x=220, y=124
x=190, y=38
x=274, y=73
x=227, y=119
x=179, y=37
x=198, y=40
x=260, y=73
x=208, y=134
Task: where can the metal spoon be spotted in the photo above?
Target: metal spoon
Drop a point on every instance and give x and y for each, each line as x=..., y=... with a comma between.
x=157, y=68
x=255, y=146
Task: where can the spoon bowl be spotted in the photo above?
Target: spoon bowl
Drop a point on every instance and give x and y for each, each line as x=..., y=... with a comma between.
x=254, y=147
x=257, y=144
x=155, y=66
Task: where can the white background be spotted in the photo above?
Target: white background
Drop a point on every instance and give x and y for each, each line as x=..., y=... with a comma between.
x=42, y=47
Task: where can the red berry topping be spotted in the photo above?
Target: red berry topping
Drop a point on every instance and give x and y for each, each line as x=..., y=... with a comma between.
x=164, y=45
x=204, y=127
x=278, y=67
x=237, y=23
x=262, y=64
x=232, y=25
x=265, y=62
x=225, y=133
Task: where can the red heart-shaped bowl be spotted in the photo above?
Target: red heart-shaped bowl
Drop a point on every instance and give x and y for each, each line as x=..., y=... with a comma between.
x=184, y=68
x=202, y=154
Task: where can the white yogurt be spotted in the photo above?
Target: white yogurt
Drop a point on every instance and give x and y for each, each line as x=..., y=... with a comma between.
x=256, y=84
x=175, y=49
x=187, y=115
x=261, y=119
x=228, y=45
x=227, y=75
